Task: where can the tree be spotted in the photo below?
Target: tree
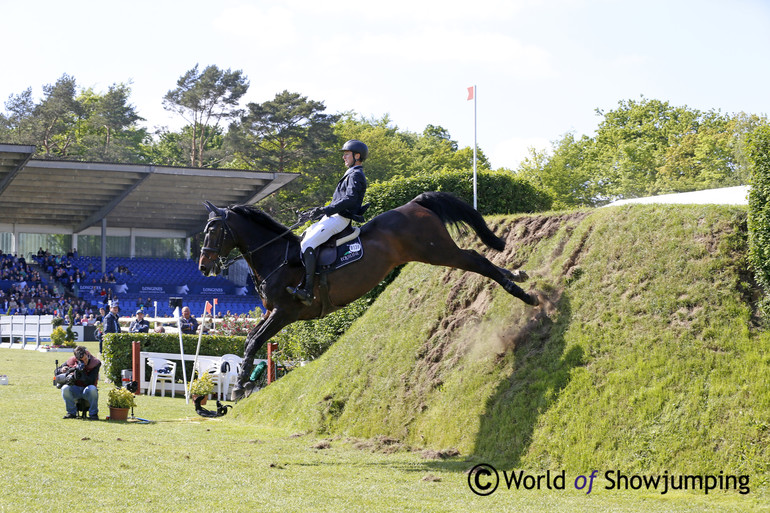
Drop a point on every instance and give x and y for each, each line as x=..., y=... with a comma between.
x=567, y=176
x=206, y=99
x=56, y=116
x=18, y=127
x=282, y=133
x=644, y=148
x=287, y=134
x=108, y=130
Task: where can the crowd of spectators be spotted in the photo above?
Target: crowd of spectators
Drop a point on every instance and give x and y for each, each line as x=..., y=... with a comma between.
x=27, y=293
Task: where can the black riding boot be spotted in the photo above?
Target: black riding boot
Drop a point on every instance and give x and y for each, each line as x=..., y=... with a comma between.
x=305, y=295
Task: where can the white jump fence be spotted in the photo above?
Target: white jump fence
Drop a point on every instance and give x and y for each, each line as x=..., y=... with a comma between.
x=25, y=331
x=177, y=388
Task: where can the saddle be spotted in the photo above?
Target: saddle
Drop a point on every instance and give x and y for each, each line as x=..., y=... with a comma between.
x=341, y=249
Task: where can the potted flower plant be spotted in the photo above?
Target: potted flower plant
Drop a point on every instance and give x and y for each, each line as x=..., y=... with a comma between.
x=203, y=385
x=119, y=401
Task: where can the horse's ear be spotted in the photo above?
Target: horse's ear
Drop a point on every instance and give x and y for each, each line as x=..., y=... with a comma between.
x=213, y=208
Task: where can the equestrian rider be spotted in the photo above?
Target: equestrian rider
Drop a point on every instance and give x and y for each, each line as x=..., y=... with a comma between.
x=346, y=205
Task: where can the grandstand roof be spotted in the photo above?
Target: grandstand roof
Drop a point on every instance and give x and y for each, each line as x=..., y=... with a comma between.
x=44, y=196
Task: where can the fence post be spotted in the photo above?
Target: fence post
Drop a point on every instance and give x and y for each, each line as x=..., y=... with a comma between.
x=271, y=366
x=136, y=347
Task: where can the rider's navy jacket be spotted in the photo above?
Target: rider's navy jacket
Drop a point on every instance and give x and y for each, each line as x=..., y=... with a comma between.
x=349, y=195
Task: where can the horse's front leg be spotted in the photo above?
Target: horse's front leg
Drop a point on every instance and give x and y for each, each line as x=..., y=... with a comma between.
x=258, y=335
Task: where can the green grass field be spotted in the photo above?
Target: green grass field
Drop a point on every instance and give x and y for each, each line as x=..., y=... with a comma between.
x=182, y=462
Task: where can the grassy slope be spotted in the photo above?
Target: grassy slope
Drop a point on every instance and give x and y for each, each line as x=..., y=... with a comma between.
x=643, y=358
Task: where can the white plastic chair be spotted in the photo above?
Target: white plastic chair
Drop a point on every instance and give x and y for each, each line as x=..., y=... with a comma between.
x=229, y=372
x=211, y=366
x=164, y=371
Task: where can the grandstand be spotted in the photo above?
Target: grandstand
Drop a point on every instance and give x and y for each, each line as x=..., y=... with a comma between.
x=147, y=281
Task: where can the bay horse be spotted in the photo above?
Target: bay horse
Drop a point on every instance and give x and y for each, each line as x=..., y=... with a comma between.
x=416, y=231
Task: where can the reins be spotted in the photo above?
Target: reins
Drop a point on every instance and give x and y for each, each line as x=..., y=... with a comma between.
x=224, y=263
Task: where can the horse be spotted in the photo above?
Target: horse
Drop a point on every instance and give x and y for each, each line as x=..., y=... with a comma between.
x=414, y=232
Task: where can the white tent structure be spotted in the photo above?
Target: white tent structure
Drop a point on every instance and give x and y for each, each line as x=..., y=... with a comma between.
x=725, y=196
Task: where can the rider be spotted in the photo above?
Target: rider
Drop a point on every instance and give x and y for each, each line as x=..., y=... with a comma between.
x=346, y=205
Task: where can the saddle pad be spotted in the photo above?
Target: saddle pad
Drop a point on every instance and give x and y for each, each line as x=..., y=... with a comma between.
x=331, y=259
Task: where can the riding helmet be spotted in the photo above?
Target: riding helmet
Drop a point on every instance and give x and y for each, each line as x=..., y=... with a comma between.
x=356, y=147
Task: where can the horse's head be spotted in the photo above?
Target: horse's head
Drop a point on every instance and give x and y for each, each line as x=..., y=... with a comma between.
x=218, y=241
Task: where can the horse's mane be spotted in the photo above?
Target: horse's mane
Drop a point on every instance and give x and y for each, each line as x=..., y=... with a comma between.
x=259, y=217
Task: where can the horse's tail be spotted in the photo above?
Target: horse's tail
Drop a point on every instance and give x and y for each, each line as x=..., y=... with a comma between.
x=452, y=210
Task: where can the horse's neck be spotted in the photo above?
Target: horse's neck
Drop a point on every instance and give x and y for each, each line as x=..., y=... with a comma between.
x=264, y=261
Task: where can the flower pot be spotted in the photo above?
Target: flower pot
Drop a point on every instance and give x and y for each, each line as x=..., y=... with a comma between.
x=118, y=413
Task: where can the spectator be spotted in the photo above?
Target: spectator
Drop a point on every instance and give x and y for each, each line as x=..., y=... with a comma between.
x=111, y=324
x=84, y=386
x=188, y=323
x=140, y=324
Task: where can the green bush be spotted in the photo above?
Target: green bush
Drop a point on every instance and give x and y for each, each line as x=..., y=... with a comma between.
x=499, y=192
x=759, y=208
x=117, y=349
x=307, y=340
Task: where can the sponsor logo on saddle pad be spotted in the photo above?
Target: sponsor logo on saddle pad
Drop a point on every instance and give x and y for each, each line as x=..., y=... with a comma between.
x=334, y=258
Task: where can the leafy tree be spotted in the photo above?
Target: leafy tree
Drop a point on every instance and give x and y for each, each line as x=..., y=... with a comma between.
x=645, y=148
x=18, y=126
x=168, y=149
x=283, y=133
x=287, y=134
x=567, y=176
x=108, y=130
x=56, y=116
x=205, y=99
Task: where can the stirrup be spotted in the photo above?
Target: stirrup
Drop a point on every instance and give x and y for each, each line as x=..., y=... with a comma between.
x=305, y=297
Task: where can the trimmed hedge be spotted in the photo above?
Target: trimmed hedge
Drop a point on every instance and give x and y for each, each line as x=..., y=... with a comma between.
x=499, y=192
x=759, y=208
x=117, y=349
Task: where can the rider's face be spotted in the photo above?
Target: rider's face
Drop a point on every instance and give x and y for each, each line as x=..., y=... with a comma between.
x=349, y=159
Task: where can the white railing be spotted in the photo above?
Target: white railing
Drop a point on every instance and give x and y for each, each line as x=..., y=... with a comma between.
x=25, y=328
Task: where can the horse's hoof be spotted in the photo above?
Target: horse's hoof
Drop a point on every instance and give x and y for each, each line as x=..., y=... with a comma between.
x=237, y=394
x=532, y=300
x=519, y=275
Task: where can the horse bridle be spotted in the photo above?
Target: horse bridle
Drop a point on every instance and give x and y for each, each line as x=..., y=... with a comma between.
x=223, y=263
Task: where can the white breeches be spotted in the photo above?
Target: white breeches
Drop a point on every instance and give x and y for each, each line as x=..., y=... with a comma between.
x=321, y=231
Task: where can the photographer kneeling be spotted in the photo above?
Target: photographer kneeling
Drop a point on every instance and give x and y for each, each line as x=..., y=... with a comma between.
x=82, y=383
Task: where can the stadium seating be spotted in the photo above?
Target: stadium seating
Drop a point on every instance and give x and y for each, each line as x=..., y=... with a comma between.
x=158, y=279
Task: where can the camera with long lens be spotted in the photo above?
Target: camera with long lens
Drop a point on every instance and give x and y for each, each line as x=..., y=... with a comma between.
x=175, y=302
x=65, y=375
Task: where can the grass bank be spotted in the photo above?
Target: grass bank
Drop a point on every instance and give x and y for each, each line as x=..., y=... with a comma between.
x=181, y=462
x=644, y=358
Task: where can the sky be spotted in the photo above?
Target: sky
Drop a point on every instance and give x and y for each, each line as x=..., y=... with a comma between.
x=541, y=68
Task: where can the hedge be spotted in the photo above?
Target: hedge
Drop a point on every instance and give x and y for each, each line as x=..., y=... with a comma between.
x=117, y=349
x=499, y=192
x=759, y=208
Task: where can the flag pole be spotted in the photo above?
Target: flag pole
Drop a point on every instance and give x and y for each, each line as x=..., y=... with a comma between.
x=475, y=145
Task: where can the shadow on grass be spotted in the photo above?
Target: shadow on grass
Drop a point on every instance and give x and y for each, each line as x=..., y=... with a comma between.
x=540, y=370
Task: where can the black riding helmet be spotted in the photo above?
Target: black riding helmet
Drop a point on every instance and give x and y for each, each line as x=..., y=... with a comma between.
x=356, y=147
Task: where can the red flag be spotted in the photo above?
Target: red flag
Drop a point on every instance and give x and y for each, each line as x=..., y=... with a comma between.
x=208, y=307
x=216, y=301
x=470, y=92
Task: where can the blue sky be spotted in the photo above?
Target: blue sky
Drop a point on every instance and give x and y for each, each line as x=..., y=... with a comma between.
x=542, y=68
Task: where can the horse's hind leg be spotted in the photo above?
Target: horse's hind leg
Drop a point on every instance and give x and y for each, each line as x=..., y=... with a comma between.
x=470, y=260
